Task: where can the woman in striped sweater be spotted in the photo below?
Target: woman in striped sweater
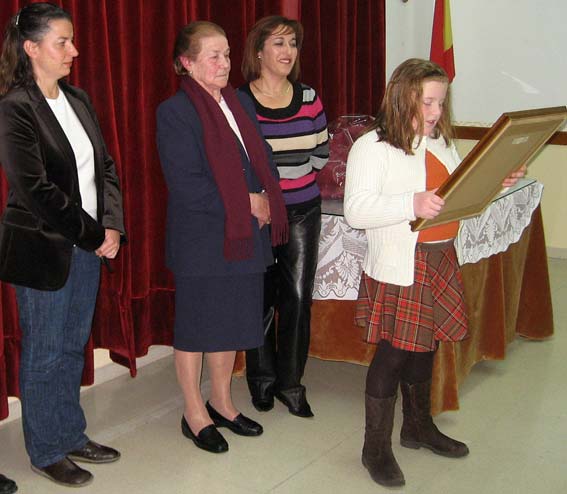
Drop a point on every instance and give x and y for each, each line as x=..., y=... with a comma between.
x=293, y=122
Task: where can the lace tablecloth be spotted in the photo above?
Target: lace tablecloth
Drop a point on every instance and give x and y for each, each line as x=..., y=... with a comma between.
x=499, y=226
x=342, y=249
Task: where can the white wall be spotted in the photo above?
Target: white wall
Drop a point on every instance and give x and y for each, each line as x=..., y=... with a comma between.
x=408, y=31
x=509, y=55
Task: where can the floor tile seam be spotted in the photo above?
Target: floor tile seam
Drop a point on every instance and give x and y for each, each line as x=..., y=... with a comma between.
x=308, y=465
x=150, y=415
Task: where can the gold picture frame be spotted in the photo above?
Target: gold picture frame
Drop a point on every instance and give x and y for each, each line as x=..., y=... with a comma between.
x=510, y=142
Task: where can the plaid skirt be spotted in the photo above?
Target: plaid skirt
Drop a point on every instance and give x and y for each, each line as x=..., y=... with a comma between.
x=415, y=317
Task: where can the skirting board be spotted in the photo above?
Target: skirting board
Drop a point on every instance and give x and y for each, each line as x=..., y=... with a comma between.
x=104, y=373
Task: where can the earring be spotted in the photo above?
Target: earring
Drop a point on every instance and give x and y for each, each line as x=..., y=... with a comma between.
x=259, y=57
x=190, y=73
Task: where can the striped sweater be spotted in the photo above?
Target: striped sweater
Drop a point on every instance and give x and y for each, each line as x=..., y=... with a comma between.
x=299, y=140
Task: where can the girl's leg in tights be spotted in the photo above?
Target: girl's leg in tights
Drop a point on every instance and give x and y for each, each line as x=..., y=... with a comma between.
x=382, y=382
x=385, y=370
x=418, y=429
x=418, y=368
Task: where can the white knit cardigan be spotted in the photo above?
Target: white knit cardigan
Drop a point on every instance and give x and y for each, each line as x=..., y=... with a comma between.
x=380, y=183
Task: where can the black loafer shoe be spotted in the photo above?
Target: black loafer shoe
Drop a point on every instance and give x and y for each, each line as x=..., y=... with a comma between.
x=264, y=404
x=7, y=486
x=208, y=438
x=66, y=473
x=241, y=425
x=94, y=453
x=295, y=401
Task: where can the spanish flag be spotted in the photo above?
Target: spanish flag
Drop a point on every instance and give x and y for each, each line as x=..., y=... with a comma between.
x=442, y=38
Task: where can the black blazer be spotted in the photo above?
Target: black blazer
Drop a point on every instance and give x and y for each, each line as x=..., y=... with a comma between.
x=44, y=218
x=195, y=211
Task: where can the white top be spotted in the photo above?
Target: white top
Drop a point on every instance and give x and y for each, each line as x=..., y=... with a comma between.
x=82, y=149
x=381, y=181
x=232, y=122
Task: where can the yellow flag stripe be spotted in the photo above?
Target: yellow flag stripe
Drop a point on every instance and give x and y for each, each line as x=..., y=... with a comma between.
x=447, y=31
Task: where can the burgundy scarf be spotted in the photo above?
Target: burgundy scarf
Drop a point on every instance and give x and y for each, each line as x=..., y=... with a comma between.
x=225, y=160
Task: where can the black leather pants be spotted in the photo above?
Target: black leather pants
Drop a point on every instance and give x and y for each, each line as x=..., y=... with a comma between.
x=288, y=290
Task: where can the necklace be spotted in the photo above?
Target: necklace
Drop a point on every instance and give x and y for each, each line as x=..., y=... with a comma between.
x=272, y=95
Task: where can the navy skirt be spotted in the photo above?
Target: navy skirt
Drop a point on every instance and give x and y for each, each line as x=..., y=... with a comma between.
x=219, y=313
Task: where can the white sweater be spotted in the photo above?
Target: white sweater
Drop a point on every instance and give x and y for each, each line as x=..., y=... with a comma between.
x=380, y=183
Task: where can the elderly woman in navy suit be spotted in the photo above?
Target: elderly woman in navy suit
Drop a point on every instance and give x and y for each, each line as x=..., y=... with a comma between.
x=64, y=214
x=223, y=193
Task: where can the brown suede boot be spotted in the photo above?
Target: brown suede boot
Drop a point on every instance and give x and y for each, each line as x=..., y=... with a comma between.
x=377, y=455
x=418, y=428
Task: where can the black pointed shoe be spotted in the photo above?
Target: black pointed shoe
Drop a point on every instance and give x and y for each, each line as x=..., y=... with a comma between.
x=7, y=486
x=94, y=453
x=262, y=393
x=209, y=438
x=66, y=473
x=295, y=401
x=241, y=425
x=263, y=403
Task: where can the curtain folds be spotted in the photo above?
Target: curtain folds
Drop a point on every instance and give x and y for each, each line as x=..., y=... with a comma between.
x=125, y=65
x=343, y=56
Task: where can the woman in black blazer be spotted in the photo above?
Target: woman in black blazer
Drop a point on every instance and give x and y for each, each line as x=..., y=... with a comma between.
x=222, y=193
x=63, y=215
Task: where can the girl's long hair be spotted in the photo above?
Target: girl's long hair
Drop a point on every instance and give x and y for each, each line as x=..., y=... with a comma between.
x=401, y=106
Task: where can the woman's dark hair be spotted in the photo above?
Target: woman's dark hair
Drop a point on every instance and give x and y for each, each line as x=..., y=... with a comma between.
x=265, y=27
x=401, y=106
x=30, y=23
x=188, y=42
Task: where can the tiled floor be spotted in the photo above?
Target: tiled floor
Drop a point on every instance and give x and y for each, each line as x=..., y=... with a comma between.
x=513, y=417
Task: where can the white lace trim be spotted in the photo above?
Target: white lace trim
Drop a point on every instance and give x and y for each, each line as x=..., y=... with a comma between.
x=342, y=249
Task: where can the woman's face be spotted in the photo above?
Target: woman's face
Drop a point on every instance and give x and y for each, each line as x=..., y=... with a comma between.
x=52, y=57
x=279, y=53
x=212, y=66
x=431, y=104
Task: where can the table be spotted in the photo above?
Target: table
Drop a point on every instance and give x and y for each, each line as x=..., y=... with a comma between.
x=506, y=284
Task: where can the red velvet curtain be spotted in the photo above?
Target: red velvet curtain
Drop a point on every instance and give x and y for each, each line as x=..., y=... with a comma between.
x=343, y=56
x=125, y=65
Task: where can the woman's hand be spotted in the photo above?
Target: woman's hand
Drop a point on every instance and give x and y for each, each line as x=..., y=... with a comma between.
x=260, y=207
x=514, y=177
x=427, y=205
x=111, y=244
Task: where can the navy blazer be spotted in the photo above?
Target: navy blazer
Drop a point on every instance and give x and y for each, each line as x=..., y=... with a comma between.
x=195, y=211
x=44, y=217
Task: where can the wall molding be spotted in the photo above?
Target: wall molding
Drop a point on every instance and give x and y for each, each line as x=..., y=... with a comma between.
x=557, y=252
x=476, y=133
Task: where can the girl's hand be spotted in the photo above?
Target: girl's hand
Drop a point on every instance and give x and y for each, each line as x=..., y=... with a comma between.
x=514, y=176
x=427, y=205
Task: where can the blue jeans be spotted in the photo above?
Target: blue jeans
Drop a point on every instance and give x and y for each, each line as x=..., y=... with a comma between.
x=56, y=326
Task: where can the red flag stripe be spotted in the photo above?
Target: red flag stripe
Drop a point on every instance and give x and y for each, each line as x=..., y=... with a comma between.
x=441, y=38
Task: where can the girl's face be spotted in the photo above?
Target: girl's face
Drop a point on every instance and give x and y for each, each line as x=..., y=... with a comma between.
x=279, y=53
x=431, y=104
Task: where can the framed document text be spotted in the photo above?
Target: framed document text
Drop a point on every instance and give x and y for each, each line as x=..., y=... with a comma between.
x=511, y=142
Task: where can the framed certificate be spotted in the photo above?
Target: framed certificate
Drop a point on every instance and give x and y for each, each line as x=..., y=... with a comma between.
x=511, y=142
